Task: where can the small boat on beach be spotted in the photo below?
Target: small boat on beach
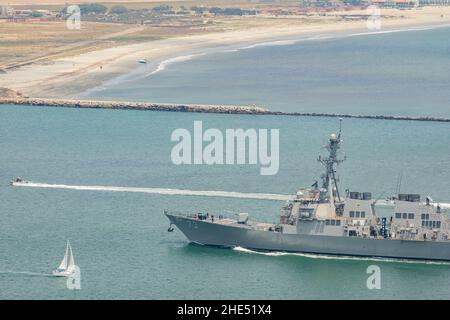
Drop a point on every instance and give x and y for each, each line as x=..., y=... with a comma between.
x=67, y=265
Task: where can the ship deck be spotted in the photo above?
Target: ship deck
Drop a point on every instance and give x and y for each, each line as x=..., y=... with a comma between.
x=222, y=220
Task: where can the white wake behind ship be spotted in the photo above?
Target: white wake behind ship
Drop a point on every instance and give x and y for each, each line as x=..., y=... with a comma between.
x=67, y=265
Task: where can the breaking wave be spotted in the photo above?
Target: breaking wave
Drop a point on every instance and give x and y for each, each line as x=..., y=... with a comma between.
x=165, y=63
x=421, y=28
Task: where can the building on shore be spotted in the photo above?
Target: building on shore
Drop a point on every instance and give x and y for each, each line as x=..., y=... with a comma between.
x=6, y=12
x=400, y=4
x=434, y=2
x=13, y=15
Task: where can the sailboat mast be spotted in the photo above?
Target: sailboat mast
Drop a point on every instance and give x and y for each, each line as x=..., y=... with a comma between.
x=69, y=254
x=72, y=261
x=64, y=263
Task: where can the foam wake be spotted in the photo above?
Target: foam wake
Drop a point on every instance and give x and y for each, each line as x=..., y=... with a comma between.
x=185, y=192
x=331, y=257
x=27, y=273
x=164, y=191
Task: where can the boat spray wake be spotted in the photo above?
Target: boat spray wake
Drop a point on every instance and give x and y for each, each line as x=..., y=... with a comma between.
x=331, y=257
x=164, y=191
x=26, y=273
x=181, y=192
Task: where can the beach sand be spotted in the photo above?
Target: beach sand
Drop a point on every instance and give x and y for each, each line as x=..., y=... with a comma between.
x=69, y=76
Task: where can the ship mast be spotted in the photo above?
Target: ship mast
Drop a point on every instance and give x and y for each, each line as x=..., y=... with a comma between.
x=329, y=181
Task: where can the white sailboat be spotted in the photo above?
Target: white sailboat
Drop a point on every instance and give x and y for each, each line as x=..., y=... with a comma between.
x=67, y=266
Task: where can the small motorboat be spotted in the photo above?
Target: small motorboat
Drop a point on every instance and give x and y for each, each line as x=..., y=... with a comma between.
x=18, y=180
x=67, y=266
x=143, y=61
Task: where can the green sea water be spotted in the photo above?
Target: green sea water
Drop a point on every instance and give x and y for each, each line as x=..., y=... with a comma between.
x=120, y=240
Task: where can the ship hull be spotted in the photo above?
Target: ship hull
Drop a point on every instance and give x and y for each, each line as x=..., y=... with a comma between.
x=215, y=234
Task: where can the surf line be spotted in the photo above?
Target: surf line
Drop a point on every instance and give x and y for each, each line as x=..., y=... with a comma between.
x=163, y=191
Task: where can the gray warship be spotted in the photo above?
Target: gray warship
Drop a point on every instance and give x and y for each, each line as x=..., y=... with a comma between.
x=320, y=220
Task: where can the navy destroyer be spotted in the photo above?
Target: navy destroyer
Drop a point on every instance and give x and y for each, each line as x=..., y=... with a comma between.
x=321, y=220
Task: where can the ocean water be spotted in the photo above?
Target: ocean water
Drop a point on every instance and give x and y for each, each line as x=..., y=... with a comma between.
x=120, y=239
x=390, y=72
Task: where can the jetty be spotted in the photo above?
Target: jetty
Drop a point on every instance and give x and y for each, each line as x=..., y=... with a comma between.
x=13, y=98
x=128, y=105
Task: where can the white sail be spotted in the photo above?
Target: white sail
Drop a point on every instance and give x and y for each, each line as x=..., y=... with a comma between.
x=64, y=262
x=67, y=266
x=71, y=261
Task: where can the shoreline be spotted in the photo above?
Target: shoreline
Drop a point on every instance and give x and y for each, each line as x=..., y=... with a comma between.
x=72, y=76
x=194, y=108
x=137, y=73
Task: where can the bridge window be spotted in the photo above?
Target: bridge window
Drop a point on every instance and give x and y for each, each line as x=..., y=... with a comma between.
x=438, y=224
x=331, y=222
x=423, y=223
x=352, y=214
x=398, y=215
x=363, y=214
x=405, y=216
x=434, y=224
x=410, y=216
x=357, y=214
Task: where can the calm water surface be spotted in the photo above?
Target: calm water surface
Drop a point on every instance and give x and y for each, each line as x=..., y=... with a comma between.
x=120, y=240
x=397, y=73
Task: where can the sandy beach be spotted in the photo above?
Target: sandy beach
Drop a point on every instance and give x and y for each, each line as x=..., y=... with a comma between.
x=67, y=77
